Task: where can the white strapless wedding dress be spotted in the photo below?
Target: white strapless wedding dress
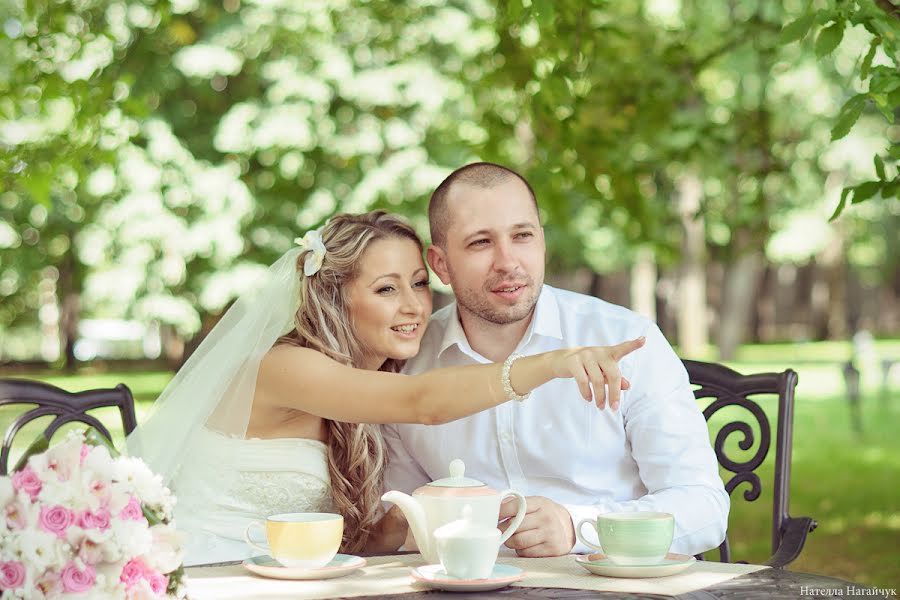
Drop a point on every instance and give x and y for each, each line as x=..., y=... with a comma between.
x=226, y=483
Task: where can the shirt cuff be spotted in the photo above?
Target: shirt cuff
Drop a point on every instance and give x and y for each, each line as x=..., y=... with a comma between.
x=579, y=513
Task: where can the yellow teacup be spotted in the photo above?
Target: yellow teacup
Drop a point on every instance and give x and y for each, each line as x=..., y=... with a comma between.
x=305, y=540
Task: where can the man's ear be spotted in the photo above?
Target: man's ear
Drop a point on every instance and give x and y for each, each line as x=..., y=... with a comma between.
x=437, y=260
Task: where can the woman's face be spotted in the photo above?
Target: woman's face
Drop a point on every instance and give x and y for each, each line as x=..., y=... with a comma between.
x=390, y=301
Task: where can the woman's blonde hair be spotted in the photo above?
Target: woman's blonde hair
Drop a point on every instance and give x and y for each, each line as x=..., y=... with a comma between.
x=356, y=454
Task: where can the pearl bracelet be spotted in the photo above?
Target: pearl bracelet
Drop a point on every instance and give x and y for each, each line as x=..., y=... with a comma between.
x=504, y=378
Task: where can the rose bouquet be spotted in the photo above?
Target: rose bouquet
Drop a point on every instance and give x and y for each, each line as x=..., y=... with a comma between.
x=78, y=520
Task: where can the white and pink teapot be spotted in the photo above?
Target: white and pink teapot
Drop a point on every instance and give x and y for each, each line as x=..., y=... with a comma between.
x=442, y=501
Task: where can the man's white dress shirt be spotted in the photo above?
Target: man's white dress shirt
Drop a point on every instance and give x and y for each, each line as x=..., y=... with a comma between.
x=652, y=454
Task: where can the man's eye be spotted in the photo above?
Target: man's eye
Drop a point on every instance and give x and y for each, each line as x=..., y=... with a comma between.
x=479, y=242
x=525, y=234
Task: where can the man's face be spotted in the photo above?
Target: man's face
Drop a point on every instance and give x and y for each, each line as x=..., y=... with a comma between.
x=494, y=255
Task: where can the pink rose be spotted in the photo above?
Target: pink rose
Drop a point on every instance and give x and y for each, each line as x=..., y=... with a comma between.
x=28, y=481
x=12, y=575
x=132, y=572
x=56, y=519
x=77, y=581
x=158, y=582
x=85, y=450
x=98, y=519
x=132, y=510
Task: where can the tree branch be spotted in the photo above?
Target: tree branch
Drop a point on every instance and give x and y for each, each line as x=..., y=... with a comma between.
x=699, y=63
x=889, y=7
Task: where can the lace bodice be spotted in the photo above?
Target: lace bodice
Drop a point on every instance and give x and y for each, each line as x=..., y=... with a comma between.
x=228, y=483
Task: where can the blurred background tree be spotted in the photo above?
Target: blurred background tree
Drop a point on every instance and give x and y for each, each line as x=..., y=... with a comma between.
x=155, y=156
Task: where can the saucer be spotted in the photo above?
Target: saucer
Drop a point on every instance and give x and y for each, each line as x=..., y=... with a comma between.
x=670, y=565
x=340, y=565
x=434, y=576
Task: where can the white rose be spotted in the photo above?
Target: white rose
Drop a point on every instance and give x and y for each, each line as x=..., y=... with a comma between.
x=133, y=537
x=167, y=552
x=100, y=463
x=41, y=550
x=140, y=591
x=146, y=485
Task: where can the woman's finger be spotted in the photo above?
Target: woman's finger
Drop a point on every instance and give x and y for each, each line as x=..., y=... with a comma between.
x=613, y=379
x=598, y=381
x=581, y=377
x=619, y=351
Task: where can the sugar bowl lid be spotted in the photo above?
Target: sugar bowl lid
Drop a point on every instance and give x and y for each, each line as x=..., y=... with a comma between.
x=465, y=528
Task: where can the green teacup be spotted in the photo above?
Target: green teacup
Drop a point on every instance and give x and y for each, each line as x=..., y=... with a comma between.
x=632, y=538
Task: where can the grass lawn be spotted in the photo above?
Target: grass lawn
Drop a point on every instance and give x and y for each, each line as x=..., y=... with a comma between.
x=846, y=481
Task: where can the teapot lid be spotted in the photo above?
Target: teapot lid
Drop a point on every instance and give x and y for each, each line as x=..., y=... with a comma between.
x=466, y=527
x=457, y=477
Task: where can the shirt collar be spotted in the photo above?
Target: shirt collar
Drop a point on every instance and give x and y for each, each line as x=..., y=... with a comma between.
x=545, y=322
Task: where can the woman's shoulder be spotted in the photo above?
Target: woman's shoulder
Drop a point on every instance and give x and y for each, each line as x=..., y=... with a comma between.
x=289, y=353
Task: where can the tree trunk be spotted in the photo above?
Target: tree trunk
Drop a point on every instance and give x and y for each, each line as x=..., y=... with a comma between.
x=69, y=308
x=738, y=294
x=643, y=283
x=835, y=267
x=693, y=329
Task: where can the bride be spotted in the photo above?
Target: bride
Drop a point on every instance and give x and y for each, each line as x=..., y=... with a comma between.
x=277, y=410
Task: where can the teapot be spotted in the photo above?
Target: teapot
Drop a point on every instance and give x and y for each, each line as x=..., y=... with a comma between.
x=442, y=501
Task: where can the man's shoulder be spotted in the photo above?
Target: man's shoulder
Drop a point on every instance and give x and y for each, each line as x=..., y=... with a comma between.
x=431, y=341
x=584, y=307
x=438, y=323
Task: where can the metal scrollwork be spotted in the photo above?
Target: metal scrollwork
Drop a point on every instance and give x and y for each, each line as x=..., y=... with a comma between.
x=743, y=469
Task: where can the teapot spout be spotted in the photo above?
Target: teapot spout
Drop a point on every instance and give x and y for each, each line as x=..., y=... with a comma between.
x=415, y=516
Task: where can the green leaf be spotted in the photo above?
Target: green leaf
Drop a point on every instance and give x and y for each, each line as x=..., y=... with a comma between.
x=883, y=83
x=881, y=103
x=848, y=116
x=796, y=30
x=894, y=152
x=866, y=190
x=893, y=99
x=92, y=437
x=40, y=444
x=544, y=12
x=892, y=189
x=867, y=61
x=879, y=167
x=829, y=38
x=840, y=207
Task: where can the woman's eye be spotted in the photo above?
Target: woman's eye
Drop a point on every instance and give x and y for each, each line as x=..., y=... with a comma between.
x=422, y=284
x=386, y=289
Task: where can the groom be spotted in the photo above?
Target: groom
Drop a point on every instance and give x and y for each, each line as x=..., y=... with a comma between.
x=569, y=459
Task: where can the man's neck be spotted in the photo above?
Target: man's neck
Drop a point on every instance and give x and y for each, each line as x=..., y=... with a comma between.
x=491, y=340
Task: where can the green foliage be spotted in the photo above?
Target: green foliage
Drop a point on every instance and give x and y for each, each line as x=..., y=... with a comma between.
x=154, y=155
x=881, y=19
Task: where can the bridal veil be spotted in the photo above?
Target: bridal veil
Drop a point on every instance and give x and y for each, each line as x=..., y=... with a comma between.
x=215, y=387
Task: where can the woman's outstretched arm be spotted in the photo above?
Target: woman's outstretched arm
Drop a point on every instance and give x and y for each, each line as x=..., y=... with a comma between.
x=307, y=380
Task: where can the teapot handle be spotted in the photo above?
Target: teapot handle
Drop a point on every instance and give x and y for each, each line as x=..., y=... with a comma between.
x=516, y=520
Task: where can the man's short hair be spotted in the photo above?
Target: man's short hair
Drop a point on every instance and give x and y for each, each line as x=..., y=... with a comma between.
x=484, y=175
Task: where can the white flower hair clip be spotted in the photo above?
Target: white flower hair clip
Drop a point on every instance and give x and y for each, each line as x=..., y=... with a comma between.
x=312, y=241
